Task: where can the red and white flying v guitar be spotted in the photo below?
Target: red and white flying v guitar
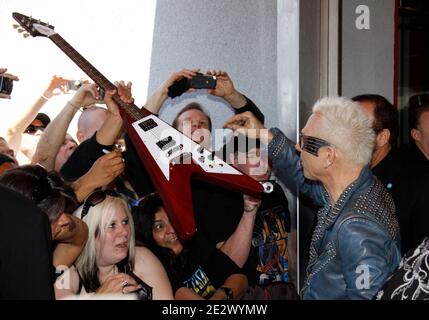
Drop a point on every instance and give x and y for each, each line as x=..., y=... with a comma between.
x=170, y=158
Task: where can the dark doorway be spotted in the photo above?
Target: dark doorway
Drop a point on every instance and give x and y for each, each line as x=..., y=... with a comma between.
x=413, y=62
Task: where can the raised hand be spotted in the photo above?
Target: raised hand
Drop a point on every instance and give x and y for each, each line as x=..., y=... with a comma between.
x=184, y=73
x=111, y=105
x=7, y=75
x=225, y=89
x=107, y=168
x=156, y=100
x=57, y=86
x=251, y=204
x=86, y=95
x=124, y=91
x=245, y=123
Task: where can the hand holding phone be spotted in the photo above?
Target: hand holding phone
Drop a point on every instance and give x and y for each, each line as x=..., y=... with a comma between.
x=199, y=81
x=179, y=87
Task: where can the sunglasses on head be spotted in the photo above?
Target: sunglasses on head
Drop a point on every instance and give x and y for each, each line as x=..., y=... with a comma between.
x=95, y=198
x=33, y=129
x=312, y=144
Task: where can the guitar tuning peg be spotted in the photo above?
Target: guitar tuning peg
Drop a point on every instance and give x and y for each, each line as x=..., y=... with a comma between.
x=26, y=35
x=15, y=26
x=20, y=30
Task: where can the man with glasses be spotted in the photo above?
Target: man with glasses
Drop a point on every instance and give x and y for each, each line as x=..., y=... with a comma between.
x=38, y=124
x=354, y=246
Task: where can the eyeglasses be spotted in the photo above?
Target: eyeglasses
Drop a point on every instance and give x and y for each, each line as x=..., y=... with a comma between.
x=31, y=129
x=312, y=144
x=95, y=198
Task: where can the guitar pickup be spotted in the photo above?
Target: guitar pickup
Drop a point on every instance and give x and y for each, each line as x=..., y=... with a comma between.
x=166, y=143
x=148, y=125
x=174, y=150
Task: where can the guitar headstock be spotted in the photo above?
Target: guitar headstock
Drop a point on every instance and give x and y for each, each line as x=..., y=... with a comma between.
x=33, y=27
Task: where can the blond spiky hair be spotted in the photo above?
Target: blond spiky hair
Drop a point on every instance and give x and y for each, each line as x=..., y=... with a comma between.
x=345, y=125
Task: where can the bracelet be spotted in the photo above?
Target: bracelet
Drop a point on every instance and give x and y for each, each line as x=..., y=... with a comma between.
x=229, y=295
x=44, y=97
x=73, y=105
x=253, y=209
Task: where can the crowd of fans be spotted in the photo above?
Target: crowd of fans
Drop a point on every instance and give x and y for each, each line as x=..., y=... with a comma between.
x=82, y=217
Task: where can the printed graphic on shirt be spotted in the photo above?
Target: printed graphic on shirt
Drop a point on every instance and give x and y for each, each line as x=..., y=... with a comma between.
x=200, y=283
x=269, y=245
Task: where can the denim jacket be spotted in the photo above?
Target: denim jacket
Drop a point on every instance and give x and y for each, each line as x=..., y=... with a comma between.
x=354, y=247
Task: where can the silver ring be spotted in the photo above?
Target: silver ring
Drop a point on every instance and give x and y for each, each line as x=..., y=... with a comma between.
x=124, y=283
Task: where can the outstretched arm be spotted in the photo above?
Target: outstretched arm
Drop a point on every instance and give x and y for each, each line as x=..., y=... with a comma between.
x=53, y=136
x=285, y=160
x=71, y=241
x=6, y=75
x=157, y=99
x=109, y=131
x=102, y=172
x=15, y=131
x=226, y=90
x=237, y=246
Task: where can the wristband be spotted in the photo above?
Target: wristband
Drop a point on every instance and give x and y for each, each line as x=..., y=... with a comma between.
x=228, y=293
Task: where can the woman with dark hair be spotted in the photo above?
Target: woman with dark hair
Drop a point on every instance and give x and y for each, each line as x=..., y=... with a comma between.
x=217, y=278
x=57, y=200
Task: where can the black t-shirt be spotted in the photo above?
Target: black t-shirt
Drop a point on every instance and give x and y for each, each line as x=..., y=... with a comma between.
x=202, y=276
x=388, y=170
x=83, y=158
x=269, y=249
x=25, y=249
x=405, y=174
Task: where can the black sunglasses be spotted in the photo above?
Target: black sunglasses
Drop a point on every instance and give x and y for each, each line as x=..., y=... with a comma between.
x=33, y=129
x=95, y=198
x=312, y=144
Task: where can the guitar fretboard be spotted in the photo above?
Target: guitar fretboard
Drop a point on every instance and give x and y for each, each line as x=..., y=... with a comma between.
x=131, y=109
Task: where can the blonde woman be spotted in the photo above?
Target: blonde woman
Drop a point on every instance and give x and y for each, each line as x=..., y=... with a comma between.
x=110, y=263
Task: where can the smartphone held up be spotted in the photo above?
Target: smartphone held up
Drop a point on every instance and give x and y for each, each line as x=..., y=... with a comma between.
x=199, y=81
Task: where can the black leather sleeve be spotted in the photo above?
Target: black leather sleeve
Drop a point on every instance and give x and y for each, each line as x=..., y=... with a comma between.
x=250, y=106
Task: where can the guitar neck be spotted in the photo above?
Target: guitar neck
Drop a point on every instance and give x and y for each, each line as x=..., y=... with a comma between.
x=131, y=109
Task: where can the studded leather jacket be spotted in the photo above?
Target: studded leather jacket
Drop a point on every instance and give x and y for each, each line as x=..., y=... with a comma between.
x=354, y=247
